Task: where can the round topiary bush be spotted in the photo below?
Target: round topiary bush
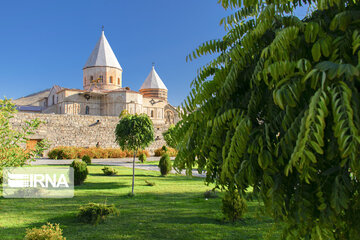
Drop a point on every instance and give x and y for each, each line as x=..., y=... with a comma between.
x=109, y=171
x=80, y=171
x=142, y=157
x=95, y=213
x=165, y=164
x=86, y=159
x=233, y=205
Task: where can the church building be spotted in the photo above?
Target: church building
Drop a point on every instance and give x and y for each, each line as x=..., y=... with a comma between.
x=103, y=93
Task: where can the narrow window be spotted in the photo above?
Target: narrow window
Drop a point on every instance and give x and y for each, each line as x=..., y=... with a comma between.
x=53, y=98
x=111, y=79
x=87, y=110
x=118, y=81
x=152, y=113
x=91, y=78
x=101, y=78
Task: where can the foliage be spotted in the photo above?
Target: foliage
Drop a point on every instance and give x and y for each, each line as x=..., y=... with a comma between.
x=93, y=152
x=148, y=183
x=169, y=136
x=80, y=171
x=86, y=159
x=95, y=213
x=11, y=140
x=278, y=110
x=233, y=206
x=165, y=164
x=160, y=151
x=134, y=132
x=109, y=171
x=46, y=232
x=142, y=157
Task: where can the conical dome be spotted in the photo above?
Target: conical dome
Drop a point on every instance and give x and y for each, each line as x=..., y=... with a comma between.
x=153, y=86
x=102, y=55
x=153, y=81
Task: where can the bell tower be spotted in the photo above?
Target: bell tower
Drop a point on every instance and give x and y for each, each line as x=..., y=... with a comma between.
x=102, y=69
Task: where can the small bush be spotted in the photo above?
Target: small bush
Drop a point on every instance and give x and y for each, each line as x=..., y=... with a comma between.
x=86, y=159
x=164, y=148
x=148, y=183
x=233, y=206
x=210, y=194
x=46, y=232
x=142, y=157
x=165, y=164
x=109, y=171
x=80, y=171
x=95, y=213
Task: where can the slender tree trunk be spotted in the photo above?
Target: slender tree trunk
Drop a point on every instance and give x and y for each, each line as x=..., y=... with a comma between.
x=133, y=179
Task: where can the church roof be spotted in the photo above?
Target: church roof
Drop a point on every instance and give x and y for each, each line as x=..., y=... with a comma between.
x=102, y=55
x=153, y=81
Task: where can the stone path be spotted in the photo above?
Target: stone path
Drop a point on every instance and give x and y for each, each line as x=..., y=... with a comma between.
x=123, y=162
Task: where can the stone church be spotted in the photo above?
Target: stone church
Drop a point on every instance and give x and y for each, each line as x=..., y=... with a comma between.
x=103, y=93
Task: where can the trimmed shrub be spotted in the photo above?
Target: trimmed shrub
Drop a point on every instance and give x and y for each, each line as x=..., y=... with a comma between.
x=142, y=157
x=210, y=194
x=148, y=183
x=165, y=164
x=164, y=148
x=109, y=171
x=80, y=171
x=86, y=159
x=160, y=151
x=93, y=152
x=46, y=232
x=233, y=206
x=95, y=213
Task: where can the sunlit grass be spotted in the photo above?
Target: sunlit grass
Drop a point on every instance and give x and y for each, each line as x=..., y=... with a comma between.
x=174, y=208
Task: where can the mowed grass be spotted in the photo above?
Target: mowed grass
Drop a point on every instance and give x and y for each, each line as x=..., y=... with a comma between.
x=174, y=208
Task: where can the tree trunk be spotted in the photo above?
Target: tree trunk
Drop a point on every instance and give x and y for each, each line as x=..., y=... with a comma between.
x=133, y=179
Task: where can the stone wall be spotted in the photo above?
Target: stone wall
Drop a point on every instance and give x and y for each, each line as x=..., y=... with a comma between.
x=79, y=130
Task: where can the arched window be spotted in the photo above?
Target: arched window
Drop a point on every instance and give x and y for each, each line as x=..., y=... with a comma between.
x=118, y=81
x=87, y=110
x=60, y=109
x=53, y=98
x=152, y=113
x=91, y=78
x=111, y=79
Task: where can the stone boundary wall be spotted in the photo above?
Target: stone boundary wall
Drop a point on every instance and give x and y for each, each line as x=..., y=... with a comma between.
x=79, y=130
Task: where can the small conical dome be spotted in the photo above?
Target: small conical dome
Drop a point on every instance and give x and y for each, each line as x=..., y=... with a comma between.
x=102, y=55
x=153, y=81
x=153, y=87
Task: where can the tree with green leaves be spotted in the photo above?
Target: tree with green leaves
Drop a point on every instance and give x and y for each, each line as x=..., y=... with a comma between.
x=12, y=140
x=278, y=110
x=134, y=132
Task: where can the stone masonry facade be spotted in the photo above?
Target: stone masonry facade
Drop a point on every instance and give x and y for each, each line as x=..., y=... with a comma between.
x=80, y=130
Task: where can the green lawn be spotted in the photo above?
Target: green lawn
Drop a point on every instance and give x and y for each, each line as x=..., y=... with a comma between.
x=173, y=209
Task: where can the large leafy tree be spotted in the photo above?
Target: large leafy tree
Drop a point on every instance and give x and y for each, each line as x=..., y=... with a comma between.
x=278, y=110
x=134, y=132
x=12, y=140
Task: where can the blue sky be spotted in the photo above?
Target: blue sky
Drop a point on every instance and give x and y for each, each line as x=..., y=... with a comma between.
x=48, y=42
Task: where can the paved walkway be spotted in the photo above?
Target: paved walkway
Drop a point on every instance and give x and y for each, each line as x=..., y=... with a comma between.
x=123, y=162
